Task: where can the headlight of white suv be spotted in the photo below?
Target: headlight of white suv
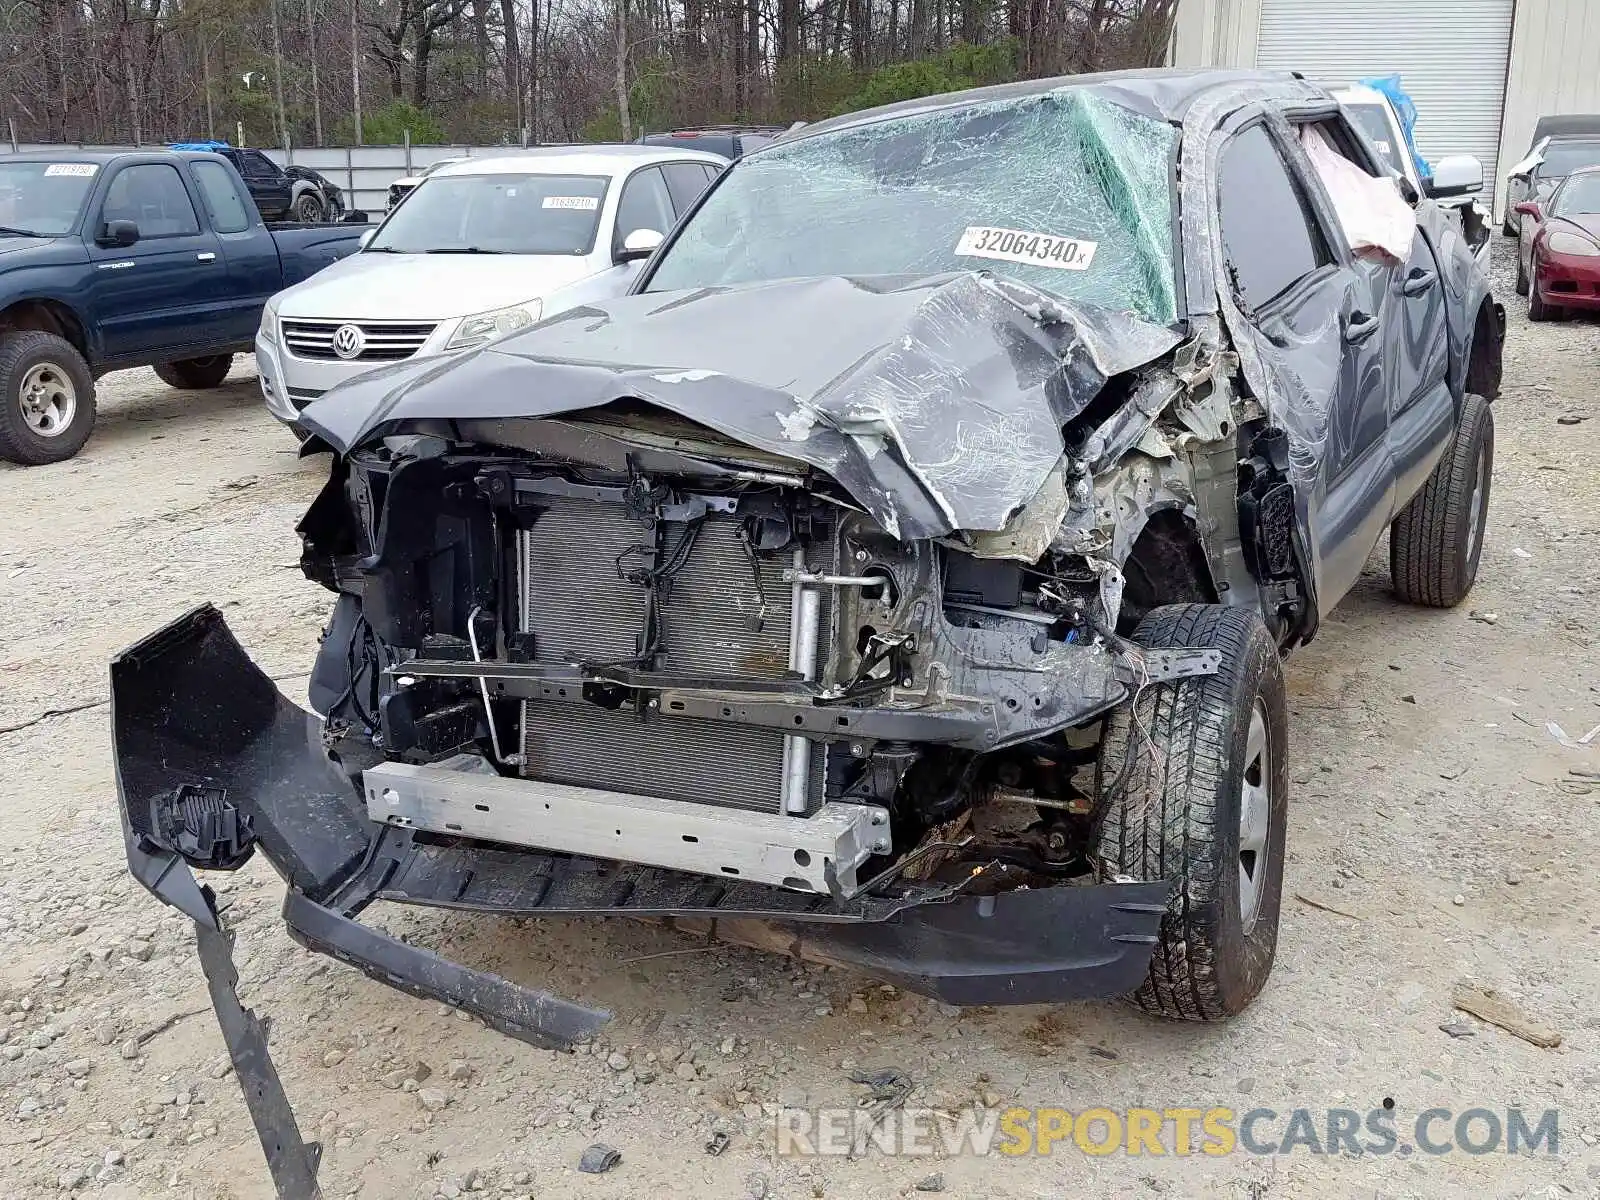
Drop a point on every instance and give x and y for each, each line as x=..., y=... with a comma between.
x=269, y=319
x=481, y=327
x=1571, y=243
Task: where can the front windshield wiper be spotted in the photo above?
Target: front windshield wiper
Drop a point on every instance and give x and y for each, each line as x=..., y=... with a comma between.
x=462, y=250
x=381, y=250
x=7, y=229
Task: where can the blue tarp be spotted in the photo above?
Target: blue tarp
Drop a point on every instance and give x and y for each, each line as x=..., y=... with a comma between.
x=199, y=146
x=1406, y=110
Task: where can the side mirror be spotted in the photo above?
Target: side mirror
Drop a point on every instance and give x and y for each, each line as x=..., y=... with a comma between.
x=119, y=233
x=367, y=237
x=1456, y=175
x=641, y=243
x=1528, y=208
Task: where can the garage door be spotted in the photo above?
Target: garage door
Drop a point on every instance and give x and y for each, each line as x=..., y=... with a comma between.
x=1450, y=55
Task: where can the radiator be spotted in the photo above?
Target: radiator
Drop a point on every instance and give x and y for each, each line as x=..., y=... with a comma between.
x=714, y=619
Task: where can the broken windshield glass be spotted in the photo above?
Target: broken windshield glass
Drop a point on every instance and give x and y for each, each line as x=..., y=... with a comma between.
x=1064, y=190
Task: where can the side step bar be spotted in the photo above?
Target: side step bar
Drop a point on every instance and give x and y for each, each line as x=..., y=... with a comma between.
x=819, y=853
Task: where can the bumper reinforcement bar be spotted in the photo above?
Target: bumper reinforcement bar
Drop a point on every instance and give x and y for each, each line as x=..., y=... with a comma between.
x=819, y=853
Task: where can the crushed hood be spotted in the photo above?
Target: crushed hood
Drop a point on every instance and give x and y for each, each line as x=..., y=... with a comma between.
x=937, y=403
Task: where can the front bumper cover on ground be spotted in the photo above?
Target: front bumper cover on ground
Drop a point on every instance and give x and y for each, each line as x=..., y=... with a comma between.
x=211, y=761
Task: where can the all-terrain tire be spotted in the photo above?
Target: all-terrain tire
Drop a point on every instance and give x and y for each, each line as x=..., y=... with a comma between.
x=195, y=374
x=1171, y=777
x=39, y=356
x=1436, y=541
x=309, y=208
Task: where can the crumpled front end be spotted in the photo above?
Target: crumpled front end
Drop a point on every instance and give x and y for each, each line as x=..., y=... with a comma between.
x=628, y=656
x=213, y=763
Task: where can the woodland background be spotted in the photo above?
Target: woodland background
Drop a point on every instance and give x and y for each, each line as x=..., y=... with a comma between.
x=342, y=72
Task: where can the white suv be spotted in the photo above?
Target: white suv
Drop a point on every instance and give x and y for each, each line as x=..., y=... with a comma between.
x=482, y=247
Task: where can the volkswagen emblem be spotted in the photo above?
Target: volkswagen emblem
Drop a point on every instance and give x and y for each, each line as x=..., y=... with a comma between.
x=349, y=341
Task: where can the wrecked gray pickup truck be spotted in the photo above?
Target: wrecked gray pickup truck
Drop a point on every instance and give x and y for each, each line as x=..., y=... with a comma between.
x=905, y=565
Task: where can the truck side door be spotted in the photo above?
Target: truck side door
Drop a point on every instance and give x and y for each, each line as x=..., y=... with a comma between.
x=166, y=292
x=269, y=186
x=250, y=254
x=1318, y=315
x=1409, y=296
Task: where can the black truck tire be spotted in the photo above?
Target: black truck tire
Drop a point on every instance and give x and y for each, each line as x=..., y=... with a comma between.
x=1522, y=277
x=195, y=374
x=46, y=398
x=1436, y=541
x=309, y=208
x=1193, y=787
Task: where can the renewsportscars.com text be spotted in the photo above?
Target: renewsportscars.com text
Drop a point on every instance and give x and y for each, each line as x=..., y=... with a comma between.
x=1214, y=1132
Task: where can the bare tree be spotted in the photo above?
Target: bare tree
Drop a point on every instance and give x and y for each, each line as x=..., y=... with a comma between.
x=111, y=70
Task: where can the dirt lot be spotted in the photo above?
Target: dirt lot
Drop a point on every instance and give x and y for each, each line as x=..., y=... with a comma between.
x=1438, y=837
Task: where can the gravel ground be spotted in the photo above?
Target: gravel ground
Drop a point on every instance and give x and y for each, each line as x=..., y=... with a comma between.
x=1438, y=837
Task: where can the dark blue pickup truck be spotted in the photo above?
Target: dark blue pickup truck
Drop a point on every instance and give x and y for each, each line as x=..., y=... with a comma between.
x=126, y=259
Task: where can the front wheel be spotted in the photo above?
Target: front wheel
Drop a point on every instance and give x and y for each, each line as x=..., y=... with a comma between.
x=1538, y=310
x=1193, y=787
x=309, y=208
x=1522, y=277
x=1436, y=541
x=46, y=398
x=195, y=374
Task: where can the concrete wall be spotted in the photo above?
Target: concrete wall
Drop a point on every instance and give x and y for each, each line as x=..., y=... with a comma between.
x=363, y=172
x=1555, y=68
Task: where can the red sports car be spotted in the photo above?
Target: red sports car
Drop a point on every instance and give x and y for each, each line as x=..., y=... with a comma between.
x=1558, y=263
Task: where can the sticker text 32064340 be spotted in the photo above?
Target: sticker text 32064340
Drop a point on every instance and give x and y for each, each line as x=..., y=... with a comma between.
x=1023, y=246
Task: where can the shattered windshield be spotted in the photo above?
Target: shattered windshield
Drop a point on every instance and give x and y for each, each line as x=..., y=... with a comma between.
x=1063, y=191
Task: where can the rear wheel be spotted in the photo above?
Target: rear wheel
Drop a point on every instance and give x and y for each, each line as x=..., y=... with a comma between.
x=1193, y=784
x=309, y=208
x=46, y=398
x=1522, y=277
x=194, y=374
x=1436, y=541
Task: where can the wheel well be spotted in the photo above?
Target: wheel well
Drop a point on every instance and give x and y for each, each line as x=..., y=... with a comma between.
x=1483, y=361
x=45, y=316
x=1167, y=565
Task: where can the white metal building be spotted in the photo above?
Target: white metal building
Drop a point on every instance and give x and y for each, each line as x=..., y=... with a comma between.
x=1481, y=71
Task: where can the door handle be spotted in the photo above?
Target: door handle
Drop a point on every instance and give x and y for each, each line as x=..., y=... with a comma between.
x=206, y=256
x=1359, y=326
x=1419, y=281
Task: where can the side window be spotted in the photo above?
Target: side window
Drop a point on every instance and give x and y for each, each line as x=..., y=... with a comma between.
x=1339, y=137
x=228, y=211
x=259, y=165
x=645, y=204
x=685, y=181
x=1268, y=235
x=153, y=197
x=711, y=173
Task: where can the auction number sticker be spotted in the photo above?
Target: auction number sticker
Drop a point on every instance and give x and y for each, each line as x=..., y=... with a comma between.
x=580, y=203
x=1021, y=246
x=80, y=170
